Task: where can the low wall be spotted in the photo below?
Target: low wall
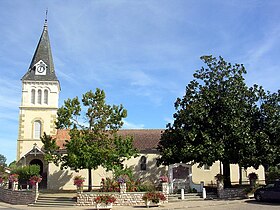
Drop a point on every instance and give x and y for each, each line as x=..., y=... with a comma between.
x=17, y=197
x=231, y=193
x=123, y=199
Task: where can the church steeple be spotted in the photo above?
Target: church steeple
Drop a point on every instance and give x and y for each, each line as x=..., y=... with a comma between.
x=41, y=67
x=40, y=96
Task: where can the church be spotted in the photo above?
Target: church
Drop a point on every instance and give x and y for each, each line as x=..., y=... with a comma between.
x=38, y=112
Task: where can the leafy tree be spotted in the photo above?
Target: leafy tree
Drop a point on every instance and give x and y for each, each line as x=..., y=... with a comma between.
x=13, y=165
x=93, y=127
x=214, y=120
x=267, y=130
x=51, y=149
x=3, y=160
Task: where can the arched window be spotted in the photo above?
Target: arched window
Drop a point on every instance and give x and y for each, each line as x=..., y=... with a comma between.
x=32, y=96
x=37, y=129
x=143, y=163
x=39, y=96
x=46, y=96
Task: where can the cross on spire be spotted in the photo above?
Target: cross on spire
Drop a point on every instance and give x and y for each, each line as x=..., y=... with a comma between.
x=46, y=18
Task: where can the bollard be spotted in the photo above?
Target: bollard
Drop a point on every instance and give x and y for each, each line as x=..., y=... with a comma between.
x=204, y=193
x=182, y=194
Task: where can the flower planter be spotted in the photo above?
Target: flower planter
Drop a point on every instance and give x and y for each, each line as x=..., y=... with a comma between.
x=104, y=206
x=151, y=204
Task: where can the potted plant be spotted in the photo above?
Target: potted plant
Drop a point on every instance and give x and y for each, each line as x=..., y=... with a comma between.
x=35, y=179
x=122, y=184
x=79, y=182
x=153, y=197
x=163, y=179
x=104, y=201
x=13, y=178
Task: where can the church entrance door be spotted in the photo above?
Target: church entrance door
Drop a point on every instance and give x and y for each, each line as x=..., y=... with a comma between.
x=43, y=174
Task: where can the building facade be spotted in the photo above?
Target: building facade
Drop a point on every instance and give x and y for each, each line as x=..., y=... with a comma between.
x=38, y=111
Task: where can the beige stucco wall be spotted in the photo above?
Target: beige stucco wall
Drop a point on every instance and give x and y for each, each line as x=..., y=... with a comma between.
x=152, y=172
x=63, y=179
x=29, y=113
x=208, y=176
x=53, y=92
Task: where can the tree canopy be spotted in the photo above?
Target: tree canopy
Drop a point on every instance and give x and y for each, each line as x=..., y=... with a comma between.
x=93, y=127
x=3, y=160
x=221, y=118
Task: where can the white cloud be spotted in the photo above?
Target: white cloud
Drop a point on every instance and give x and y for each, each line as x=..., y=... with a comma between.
x=129, y=125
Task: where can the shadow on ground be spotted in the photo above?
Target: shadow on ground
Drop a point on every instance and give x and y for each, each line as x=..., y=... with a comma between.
x=265, y=203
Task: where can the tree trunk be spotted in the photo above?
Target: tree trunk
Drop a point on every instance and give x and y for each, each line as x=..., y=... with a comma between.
x=226, y=171
x=89, y=180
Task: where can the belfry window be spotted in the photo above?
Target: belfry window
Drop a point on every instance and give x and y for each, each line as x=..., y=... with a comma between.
x=32, y=96
x=37, y=129
x=143, y=163
x=39, y=96
x=46, y=96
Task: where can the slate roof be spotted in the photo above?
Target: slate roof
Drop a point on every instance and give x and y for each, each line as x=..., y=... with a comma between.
x=42, y=52
x=144, y=139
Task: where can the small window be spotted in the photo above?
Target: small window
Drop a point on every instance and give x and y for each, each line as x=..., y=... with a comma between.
x=206, y=167
x=143, y=163
x=32, y=96
x=39, y=96
x=37, y=129
x=46, y=96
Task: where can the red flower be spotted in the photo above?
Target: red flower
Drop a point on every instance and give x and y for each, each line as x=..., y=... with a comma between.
x=105, y=199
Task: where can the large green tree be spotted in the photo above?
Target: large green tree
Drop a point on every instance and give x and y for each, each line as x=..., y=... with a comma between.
x=93, y=127
x=214, y=120
x=267, y=130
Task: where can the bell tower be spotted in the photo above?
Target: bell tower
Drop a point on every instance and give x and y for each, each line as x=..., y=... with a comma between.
x=39, y=103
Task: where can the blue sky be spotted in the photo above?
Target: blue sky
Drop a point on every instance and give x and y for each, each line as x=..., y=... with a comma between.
x=142, y=53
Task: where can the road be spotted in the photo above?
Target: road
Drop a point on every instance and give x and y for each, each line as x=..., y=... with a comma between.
x=192, y=205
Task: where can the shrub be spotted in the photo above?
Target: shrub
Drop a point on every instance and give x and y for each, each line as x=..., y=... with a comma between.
x=273, y=174
x=26, y=172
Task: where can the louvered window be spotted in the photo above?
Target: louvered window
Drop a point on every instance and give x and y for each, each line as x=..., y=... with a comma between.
x=39, y=96
x=46, y=95
x=32, y=96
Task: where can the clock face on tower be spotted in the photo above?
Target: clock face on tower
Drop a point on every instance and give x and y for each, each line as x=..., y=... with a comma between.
x=40, y=68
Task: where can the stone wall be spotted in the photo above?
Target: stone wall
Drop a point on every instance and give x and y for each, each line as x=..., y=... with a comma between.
x=123, y=199
x=231, y=193
x=17, y=197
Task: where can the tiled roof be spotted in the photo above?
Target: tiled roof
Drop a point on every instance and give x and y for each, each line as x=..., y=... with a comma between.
x=144, y=139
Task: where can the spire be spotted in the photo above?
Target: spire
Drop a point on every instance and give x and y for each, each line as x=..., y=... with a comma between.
x=46, y=19
x=41, y=67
